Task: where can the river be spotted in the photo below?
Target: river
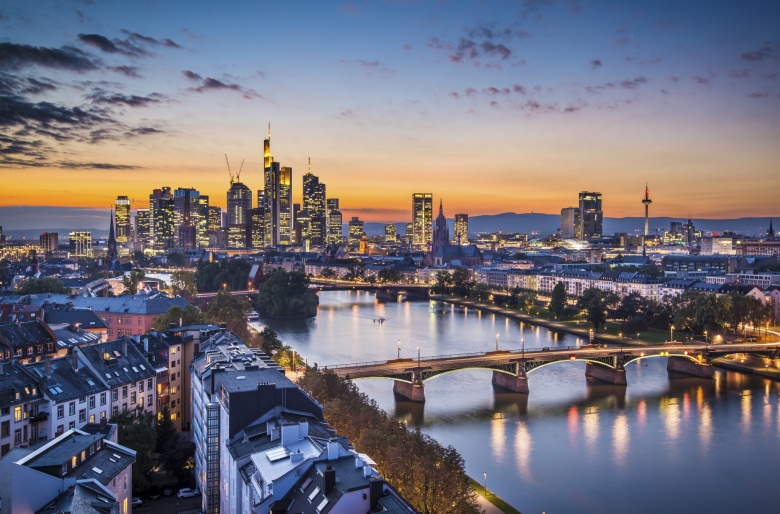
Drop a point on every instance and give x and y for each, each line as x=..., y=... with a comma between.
x=661, y=444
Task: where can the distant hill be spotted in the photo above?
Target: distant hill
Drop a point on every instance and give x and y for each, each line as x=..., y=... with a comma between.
x=508, y=222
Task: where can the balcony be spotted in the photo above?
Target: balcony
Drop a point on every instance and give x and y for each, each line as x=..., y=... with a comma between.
x=38, y=418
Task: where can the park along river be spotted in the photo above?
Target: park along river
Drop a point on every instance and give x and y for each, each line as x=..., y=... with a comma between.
x=662, y=444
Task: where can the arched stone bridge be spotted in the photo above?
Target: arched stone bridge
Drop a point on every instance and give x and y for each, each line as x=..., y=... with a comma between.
x=511, y=367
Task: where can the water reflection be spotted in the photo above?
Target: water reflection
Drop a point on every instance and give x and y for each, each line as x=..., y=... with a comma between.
x=523, y=449
x=620, y=438
x=498, y=437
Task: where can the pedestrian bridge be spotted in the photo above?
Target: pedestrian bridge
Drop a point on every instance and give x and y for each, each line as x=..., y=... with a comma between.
x=511, y=367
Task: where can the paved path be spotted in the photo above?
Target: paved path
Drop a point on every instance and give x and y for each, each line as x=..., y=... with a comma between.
x=486, y=506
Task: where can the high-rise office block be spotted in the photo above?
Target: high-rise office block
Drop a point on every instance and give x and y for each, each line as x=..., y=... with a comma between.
x=255, y=228
x=314, y=204
x=49, y=241
x=278, y=199
x=335, y=221
x=122, y=219
x=143, y=227
x=239, y=201
x=186, y=218
x=591, y=215
x=408, y=233
x=203, y=221
x=422, y=219
x=80, y=244
x=390, y=234
x=356, y=229
x=461, y=229
x=162, y=218
x=215, y=219
x=570, y=223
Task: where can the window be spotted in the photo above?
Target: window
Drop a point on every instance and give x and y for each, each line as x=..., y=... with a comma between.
x=40, y=348
x=18, y=413
x=173, y=349
x=82, y=416
x=91, y=418
x=102, y=414
x=30, y=350
x=5, y=431
x=18, y=436
x=83, y=399
x=124, y=391
x=71, y=425
x=92, y=402
x=60, y=429
x=149, y=384
x=125, y=484
x=114, y=410
x=132, y=398
x=140, y=320
x=149, y=402
x=60, y=411
x=173, y=363
x=71, y=408
x=5, y=411
x=50, y=347
x=173, y=416
x=73, y=462
x=114, y=395
x=141, y=386
x=173, y=389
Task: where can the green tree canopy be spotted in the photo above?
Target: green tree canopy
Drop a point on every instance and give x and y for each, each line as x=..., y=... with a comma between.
x=558, y=299
x=189, y=315
x=131, y=280
x=231, y=274
x=42, y=285
x=462, y=283
x=184, y=283
x=137, y=431
x=286, y=295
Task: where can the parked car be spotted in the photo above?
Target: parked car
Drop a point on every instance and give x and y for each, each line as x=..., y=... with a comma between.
x=187, y=493
x=167, y=491
x=137, y=502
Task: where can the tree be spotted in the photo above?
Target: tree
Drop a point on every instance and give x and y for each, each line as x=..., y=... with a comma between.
x=481, y=292
x=594, y=302
x=286, y=295
x=177, y=260
x=462, y=284
x=189, y=315
x=231, y=274
x=443, y=279
x=328, y=273
x=140, y=259
x=558, y=299
x=42, y=285
x=630, y=306
x=166, y=432
x=355, y=270
x=131, y=280
x=184, y=284
x=137, y=431
x=526, y=300
x=389, y=275
x=231, y=310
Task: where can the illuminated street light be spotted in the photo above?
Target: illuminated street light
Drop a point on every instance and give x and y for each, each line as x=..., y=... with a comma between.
x=399, y=348
x=484, y=475
x=671, y=333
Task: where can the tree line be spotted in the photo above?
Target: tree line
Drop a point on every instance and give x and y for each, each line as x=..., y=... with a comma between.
x=431, y=477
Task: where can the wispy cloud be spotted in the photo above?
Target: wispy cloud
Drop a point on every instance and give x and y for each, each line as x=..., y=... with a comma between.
x=596, y=64
x=211, y=84
x=113, y=46
x=769, y=51
x=16, y=57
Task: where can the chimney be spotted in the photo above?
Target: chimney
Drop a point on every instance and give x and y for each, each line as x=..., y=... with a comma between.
x=328, y=479
x=376, y=490
x=74, y=359
x=146, y=343
x=333, y=449
x=124, y=346
x=47, y=365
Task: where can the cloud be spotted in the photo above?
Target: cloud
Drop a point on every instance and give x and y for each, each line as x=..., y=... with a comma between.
x=769, y=51
x=361, y=62
x=623, y=37
x=702, y=81
x=191, y=75
x=70, y=165
x=757, y=95
x=499, y=50
x=36, y=86
x=633, y=83
x=484, y=44
x=152, y=41
x=115, y=46
x=596, y=64
x=127, y=71
x=740, y=74
x=16, y=57
x=370, y=67
x=407, y=47
x=346, y=113
x=211, y=84
x=101, y=97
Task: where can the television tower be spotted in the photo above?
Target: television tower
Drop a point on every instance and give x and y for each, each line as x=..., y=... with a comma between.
x=646, y=201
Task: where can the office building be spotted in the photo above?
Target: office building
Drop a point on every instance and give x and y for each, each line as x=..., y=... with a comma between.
x=161, y=209
x=239, y=201
x=356, y=229
x=570, y=223
x=49, y=242
x=143, y=227
x=314, y=205
x=215, y=219
x=256, y=228
x=80, y=244
x=390, y=233
x=422, y=220
x=591, y=215
x=186, y=218
x=334, y=222
x=278, y=199
x=461, y=229
x=203, y=221
x=122, y=207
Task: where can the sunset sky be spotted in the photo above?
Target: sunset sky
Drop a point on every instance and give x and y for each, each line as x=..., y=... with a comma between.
x=493, y=106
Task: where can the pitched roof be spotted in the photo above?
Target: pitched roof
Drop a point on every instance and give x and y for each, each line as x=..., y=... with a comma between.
x=117, y=362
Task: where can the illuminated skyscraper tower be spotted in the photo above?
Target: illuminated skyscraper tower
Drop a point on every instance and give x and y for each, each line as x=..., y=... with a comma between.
x=277, y=182
x=314, y=205
x=591, y=215
x=122, y=219
x=422, y=219
x=461, y=229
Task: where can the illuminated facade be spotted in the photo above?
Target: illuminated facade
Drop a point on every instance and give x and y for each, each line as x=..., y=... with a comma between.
x=162, y=217
x=122, y=219
x=390, y=233
x=356, y=229
x=335, y=222
x=186, y=218
x=591, y=215
x=80, y=244
x=256, y=228
x=143, y=227
x=422, y=219
x=49, y=241
x=203, y=221
x=461, y=229
x=239, y=201
x=570, y=223
x=277, y=181
x=215, y=219
x=314, y=205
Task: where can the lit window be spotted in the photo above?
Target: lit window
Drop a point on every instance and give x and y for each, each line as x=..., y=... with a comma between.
x=18, y=413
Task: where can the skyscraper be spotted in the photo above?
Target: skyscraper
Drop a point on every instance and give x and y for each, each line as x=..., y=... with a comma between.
x=390, y=234
x=80, y=244
x=570, y=223
x=591, y=215
x=461, y=229
x=422, y=219
x=162, y=218
x=49, y=242
x=186, y=218
x=143, y=227
x=256, y=228
x=334, y=222
x=239, y=201
x=122, y=219
x=277, y=181
x=356, y=229
x=215, y=219
x=203, y=221
x=314, y=205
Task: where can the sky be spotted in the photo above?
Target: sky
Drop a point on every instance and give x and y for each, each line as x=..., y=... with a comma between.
x=491, y=106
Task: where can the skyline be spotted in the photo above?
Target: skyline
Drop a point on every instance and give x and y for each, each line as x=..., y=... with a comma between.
x=493, y=108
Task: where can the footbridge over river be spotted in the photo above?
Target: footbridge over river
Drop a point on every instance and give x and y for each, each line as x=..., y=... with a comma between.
x=511, y=367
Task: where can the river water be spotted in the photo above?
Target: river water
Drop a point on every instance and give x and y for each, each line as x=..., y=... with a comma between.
x=661, y=444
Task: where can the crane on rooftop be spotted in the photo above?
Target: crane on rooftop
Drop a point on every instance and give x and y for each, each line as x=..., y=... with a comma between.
x=237, y=177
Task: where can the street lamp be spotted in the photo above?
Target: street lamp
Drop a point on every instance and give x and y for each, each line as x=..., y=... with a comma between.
x=484, y=476
x=671, y=333
x=590, y=336
x=522, y=342
x=418, y=356
x=496, y=342
x=399, y=348
x=706, y=339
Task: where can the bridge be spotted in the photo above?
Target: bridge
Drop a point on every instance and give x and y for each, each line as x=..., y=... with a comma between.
x=511, y=367
x=384, y=291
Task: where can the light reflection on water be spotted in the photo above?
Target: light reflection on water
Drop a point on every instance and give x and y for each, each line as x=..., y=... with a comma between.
x=571, y=445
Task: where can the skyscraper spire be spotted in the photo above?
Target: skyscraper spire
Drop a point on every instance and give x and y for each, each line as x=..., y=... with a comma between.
x=269, y=130
x=309, y=164
x=441, y=210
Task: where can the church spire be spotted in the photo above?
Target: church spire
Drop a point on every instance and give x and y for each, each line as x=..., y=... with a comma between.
x=770, y=234
x=111, y=240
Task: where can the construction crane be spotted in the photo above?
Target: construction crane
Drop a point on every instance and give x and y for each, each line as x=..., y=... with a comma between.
x=237, y=177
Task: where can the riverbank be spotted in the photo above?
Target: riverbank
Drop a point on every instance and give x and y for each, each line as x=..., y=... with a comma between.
x=489, y=502
x=751, y=364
